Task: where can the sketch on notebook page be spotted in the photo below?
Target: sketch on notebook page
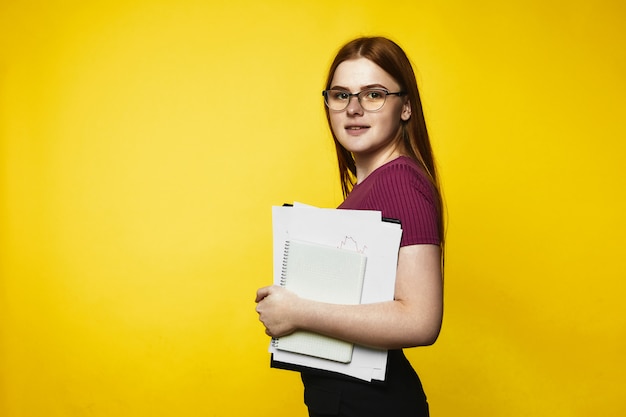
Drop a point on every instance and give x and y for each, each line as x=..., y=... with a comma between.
x=349, y=242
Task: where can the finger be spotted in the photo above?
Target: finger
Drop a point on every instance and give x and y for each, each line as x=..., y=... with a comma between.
x=262, y=293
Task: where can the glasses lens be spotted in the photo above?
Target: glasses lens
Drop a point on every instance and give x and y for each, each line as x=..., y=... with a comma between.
x=373, y=99
x=337, y=99
x=370, y=99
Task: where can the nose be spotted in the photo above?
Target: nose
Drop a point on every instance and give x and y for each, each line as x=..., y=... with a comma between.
x=354, y=106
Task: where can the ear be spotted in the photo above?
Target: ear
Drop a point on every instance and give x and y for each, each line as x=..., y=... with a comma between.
x=406, y=111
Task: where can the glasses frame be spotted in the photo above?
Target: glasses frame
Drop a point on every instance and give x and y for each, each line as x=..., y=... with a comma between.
x=359, y=96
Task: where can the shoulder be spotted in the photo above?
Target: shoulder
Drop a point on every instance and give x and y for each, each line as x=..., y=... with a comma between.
x=403, y=191
x=403, y=177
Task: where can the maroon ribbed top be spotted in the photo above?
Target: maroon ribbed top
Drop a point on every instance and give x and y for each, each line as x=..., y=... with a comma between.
x=400, y=190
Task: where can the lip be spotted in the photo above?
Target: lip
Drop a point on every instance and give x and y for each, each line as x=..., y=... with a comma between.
x=356, y=129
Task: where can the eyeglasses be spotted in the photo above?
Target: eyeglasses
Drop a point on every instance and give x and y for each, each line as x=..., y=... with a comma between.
x=371, y=99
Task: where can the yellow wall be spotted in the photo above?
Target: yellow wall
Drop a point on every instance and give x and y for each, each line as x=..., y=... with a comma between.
x=142, y=144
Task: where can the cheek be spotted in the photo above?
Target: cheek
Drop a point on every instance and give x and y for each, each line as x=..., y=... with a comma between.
x=335, y=123
x=394, y=118
x=386, y=120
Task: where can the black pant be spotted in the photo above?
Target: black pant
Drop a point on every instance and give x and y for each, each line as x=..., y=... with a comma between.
x=400, y=395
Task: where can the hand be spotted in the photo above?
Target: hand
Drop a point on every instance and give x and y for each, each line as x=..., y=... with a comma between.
x=276, y=307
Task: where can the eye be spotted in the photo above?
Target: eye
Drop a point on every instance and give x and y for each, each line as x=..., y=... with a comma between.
x=374, y=94
x=339, y=95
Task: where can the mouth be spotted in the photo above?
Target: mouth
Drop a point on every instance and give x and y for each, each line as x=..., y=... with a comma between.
x=356, y=127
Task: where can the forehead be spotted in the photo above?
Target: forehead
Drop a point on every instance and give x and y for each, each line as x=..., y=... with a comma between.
x=361, y=72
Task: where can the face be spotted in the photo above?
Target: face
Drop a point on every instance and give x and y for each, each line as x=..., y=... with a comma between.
x=367, y=134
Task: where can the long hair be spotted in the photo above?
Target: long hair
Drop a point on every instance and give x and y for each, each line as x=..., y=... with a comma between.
x=413, y=133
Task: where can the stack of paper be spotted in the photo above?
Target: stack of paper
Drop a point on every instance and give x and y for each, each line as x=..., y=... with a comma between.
x=362, y=232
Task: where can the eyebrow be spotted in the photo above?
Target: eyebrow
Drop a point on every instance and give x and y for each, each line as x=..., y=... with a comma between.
x=339, y=87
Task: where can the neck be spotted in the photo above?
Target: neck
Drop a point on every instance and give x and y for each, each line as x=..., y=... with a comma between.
x=366, y=164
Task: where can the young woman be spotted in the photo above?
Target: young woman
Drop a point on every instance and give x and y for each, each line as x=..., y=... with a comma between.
x=385, y=163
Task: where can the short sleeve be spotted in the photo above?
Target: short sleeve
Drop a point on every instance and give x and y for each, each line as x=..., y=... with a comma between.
x=402, y=192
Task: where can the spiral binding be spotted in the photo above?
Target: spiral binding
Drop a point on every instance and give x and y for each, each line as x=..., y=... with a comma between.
x=283, y=280
x=283, y=272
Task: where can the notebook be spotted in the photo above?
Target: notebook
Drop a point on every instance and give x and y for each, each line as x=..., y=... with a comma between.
x=321, y=273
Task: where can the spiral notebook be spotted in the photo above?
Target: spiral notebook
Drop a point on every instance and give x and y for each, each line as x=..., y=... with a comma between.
x=326, y=274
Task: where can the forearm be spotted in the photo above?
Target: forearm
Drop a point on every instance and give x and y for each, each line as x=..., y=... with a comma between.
x=388, y=325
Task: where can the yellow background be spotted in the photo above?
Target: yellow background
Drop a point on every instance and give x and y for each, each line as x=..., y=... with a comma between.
x=142, y=144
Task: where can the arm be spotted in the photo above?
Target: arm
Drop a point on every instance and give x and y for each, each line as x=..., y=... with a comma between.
x=413, y=318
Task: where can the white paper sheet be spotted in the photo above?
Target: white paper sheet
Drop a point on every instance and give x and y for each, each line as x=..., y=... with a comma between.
x=362, y=231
